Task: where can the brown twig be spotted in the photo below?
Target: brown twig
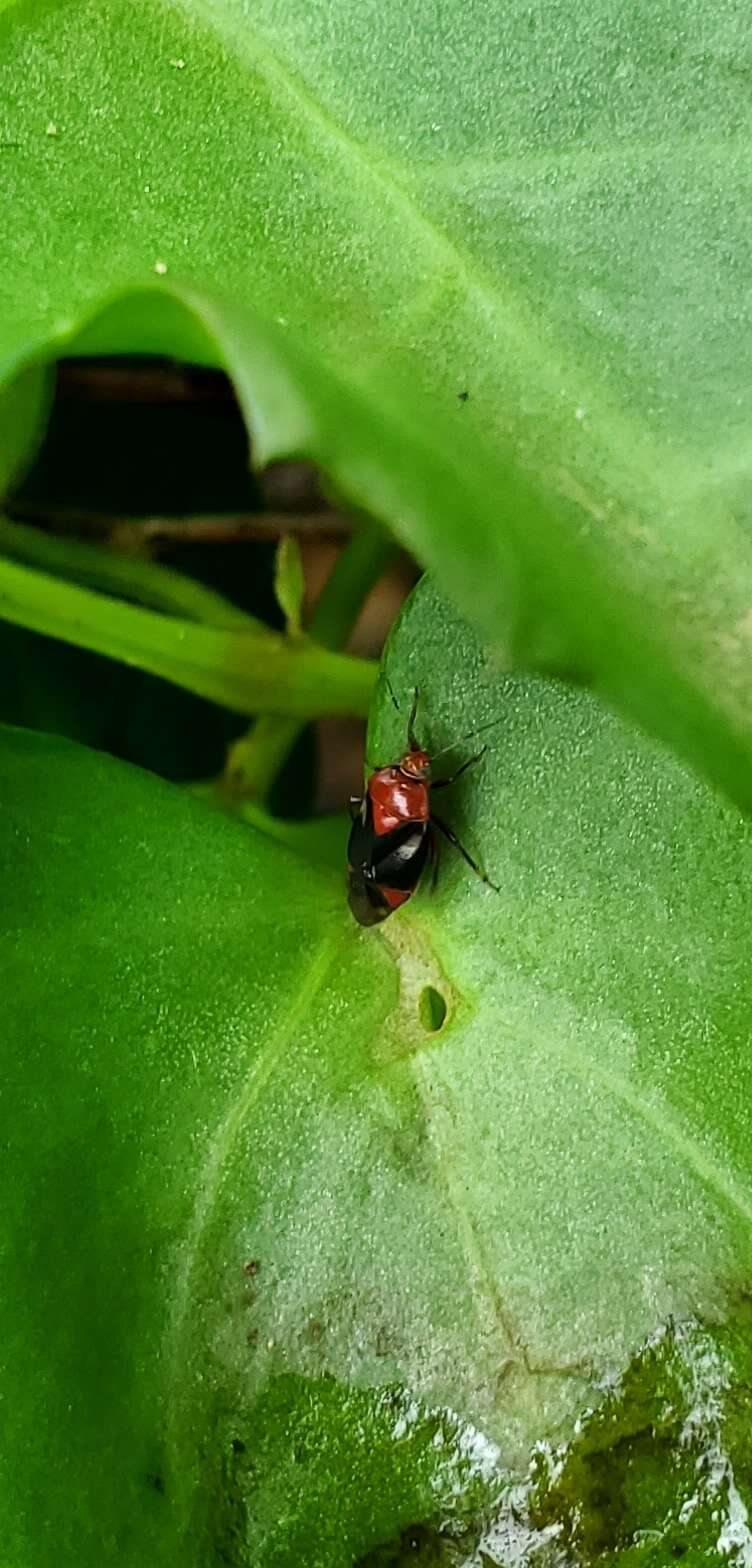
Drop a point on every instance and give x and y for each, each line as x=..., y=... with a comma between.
x=142, y=381
x=149, y=535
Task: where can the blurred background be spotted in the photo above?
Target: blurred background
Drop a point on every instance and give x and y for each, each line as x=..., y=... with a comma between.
x=150, y=458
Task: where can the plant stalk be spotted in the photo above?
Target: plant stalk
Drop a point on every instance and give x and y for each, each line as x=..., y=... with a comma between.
x=255, y=760
x=246, y=668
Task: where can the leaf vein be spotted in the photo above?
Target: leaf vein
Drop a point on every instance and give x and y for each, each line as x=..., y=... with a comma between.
x=222, y=1144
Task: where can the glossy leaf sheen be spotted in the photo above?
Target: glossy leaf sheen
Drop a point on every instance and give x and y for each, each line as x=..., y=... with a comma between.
x=278, y=1250
x=512, y=247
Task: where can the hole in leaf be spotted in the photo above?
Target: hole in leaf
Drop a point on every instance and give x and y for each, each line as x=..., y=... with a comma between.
x=432, y=1009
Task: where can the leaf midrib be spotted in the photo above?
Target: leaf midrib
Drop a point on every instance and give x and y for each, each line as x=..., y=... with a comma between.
x=511, y=313
x=222, y=1145
x=663, y=1121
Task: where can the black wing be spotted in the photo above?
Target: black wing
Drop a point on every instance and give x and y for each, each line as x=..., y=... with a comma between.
x=377, y=860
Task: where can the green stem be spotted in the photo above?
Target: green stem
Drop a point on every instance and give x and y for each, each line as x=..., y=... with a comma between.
x=256, y=759
x=96, y=567
x=247, y=670
x=357, y=568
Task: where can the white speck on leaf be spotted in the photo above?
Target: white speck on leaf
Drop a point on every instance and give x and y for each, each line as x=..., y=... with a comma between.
x=406, y=1420
x=707, y=1380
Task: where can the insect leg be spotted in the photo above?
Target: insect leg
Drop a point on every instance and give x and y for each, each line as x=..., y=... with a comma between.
x=442, y=783
x=453, y=839
x=434, y=853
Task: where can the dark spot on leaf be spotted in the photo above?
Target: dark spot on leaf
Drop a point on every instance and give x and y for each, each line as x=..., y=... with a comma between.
x=226, y=1506
x=432, y=1009
x=157, y=1482
x=463, y=396
x=251, y=1267
x=679, y=1549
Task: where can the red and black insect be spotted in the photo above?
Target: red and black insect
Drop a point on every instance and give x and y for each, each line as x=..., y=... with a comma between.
x=392, y=836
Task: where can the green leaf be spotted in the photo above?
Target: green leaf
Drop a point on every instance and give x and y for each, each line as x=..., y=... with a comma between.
x=121, y=1115
x=24, y=405
x=126, y=577
x=314, y=1233
x=289, y=583
x=516, y=254
x=507, y=259
x=316, y=839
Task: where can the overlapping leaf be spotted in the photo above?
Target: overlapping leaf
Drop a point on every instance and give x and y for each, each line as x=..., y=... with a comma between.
x=512, y=246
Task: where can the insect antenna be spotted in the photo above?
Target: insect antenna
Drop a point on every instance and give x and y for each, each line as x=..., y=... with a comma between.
x=411, y=736
x=459, y=740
